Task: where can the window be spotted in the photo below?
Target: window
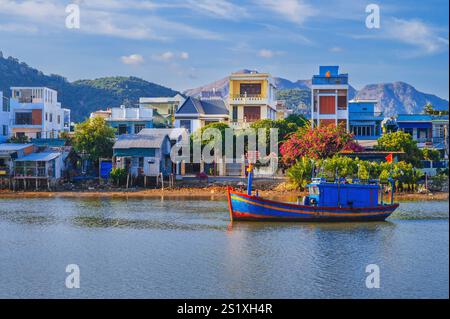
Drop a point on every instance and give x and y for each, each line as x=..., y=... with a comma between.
x=138, y=128
x=250, y=89
x=122, y=129
x=186, y=124
x=59, y=119
x=252, y=113
x=24, y=118
x=327, y=105
x=46, y=116
x=6, y=106
x=342, y=102
x=51, y=117
x=38, y=134
x=235, y=113
x=5, y=130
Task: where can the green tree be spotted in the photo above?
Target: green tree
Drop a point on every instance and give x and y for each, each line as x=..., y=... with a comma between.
x=300, y=173
x=431, y=155
x=94, y=138
x=401, y=142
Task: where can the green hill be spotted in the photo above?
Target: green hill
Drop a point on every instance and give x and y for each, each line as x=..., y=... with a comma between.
x=83, y=96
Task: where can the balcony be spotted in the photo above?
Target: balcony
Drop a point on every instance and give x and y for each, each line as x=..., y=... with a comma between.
x=333, y=80
x=240, y=124
x=26, y=171
x=252, y=99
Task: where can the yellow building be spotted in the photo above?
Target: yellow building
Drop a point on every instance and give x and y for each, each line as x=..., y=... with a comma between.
x=251, y=98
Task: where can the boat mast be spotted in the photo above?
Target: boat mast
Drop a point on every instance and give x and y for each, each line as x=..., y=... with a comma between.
x=250, y=179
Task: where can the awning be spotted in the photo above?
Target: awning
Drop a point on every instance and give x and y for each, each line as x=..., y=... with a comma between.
x=362, y=123
x=415, y=125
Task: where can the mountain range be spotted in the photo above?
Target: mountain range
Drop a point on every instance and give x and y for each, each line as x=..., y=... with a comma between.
x=85, y=96
x=393, y=98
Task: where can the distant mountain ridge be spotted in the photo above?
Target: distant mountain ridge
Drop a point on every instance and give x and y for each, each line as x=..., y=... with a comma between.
x=84, y=96
x=393, y=98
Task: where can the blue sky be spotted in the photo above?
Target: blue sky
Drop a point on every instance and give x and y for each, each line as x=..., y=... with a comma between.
x=186, y=43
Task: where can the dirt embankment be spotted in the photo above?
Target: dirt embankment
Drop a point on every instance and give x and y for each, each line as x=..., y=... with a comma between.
x=191, y=192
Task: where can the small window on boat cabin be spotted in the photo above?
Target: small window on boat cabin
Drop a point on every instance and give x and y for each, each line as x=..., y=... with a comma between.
x=314, y=190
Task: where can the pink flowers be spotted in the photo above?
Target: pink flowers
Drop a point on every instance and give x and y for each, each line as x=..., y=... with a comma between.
x=317, y=143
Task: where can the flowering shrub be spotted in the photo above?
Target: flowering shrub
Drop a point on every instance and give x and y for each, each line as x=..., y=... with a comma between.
x=317, y=143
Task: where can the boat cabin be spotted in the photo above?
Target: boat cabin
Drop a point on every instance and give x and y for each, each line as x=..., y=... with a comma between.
x=326, y=194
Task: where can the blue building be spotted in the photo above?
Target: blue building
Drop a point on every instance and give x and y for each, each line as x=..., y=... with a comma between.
x=420, y=126
x=365, y=122
x=429, y=131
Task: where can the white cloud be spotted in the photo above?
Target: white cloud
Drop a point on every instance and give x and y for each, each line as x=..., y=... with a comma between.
x=165, y=56
x=265, y=53
x=218, y=8
x=184, y=55
x=133, y=59
x=13, y=27
x=296, y=11
x=102, y=17
x=170, y=56
x=416, y=33
x=336, y=49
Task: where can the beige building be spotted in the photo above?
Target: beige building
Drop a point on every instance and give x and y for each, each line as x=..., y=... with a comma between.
x=251, y=98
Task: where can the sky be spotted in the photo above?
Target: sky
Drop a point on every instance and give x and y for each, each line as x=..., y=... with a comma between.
x=183, y=44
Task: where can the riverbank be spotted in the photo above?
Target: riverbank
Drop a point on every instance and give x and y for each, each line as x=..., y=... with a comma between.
x=191, y=192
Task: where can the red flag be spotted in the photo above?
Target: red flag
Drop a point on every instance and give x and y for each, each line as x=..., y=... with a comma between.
x=390, y=158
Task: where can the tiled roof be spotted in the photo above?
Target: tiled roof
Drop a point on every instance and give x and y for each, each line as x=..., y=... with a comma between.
x=206, y=107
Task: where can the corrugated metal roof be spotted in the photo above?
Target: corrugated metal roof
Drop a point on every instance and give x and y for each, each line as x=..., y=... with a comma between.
x=13, y=147
x=39, y=157
x=173, y=133
x=140, y=141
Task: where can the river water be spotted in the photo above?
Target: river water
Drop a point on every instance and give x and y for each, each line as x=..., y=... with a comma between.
x=184, y=248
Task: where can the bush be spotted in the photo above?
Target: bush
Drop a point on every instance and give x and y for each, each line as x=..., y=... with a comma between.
x=406, y=176
x=118, y=176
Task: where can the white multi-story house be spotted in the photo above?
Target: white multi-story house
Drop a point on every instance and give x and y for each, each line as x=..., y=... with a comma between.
x=127, y=120
x=4, y=118
x=252, y=97
x=329, y=97
x=164, y=108
x=36, y=113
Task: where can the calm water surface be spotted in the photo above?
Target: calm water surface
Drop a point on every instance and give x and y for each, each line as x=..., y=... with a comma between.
x=175, y=248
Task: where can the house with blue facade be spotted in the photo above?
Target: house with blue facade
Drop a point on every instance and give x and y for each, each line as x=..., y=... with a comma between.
x=365, y=121
x=419, y=126
x=430, y=131
x=130, y=120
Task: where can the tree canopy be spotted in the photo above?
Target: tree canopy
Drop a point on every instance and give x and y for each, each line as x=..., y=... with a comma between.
x=401, y=142
x=94, y=138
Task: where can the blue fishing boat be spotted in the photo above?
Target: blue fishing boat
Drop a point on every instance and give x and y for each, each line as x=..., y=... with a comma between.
x=336, y=201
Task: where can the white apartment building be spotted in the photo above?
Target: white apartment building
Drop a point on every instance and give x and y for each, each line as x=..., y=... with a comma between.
x=36, y=113
x=4, y=118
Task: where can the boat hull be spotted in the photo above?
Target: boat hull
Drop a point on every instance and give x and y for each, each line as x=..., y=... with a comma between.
x=252, y=208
